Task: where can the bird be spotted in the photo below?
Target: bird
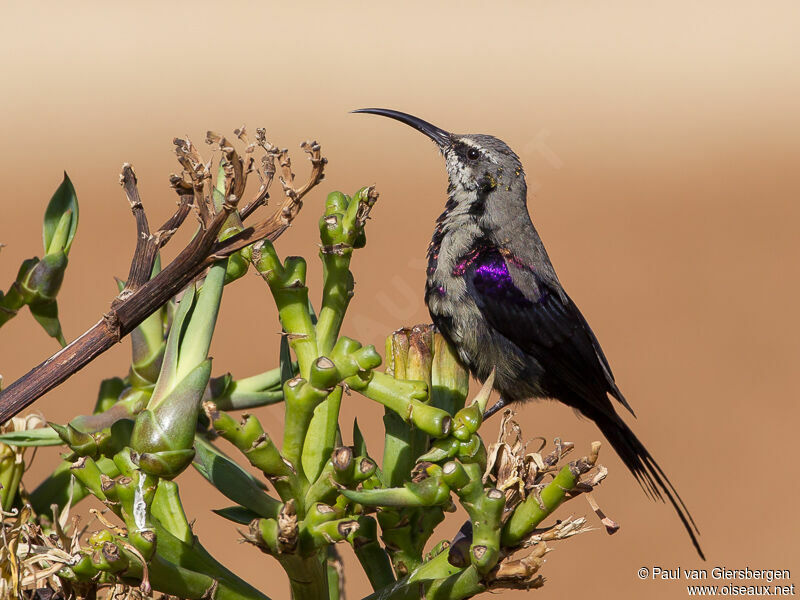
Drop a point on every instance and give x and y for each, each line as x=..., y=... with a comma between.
x=494, y=295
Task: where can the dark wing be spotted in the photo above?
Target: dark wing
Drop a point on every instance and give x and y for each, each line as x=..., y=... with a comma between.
x=537, y=315
x=542, y=320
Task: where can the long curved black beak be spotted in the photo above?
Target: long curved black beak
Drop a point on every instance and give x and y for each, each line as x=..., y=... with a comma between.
x=440, y=136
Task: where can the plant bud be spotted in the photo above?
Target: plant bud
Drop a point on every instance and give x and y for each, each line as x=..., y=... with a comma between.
x=324, y=375
x=43, y=281
x=336, y=202
x=170, y=425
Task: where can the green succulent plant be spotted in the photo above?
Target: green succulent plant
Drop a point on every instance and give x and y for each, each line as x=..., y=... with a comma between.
x=169, y=413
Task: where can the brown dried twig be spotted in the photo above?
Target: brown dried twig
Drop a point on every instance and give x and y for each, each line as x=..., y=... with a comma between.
x=280, y=220
x=141, y=295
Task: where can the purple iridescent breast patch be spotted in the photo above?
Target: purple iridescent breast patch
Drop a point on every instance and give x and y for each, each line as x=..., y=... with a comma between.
x=488, y=271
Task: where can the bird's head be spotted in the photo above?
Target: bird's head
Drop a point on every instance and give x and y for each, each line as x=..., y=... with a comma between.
x=475, y=162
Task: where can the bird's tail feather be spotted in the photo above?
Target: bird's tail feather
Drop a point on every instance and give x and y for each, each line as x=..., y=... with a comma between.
x=646, y=470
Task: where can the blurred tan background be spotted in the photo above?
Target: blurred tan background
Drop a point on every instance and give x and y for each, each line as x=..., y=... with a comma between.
x=662, y=143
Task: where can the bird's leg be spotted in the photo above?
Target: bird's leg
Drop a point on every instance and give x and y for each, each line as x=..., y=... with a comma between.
x=501, y=403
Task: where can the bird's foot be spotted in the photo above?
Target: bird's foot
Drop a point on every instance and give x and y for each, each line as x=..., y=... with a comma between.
x=501, y=403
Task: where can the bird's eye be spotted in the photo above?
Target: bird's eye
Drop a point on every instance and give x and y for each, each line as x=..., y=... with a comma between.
x=473, y=154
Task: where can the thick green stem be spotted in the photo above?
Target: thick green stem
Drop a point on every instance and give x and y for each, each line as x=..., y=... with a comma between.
x=449, y=378
x=262, y=381
x=397, y=458
x=412, y=360
x=406, y=532
x=195, y=557
x=250, y=392
x=239, y=400
x=428, y=385
x=168, y=509
x=308, y=575
x=335, y=575
x=185, y=551
x=535, y=509
x=296, y=320
x=249, y=437
x=405, y=399
x=341, y=230
x=336, y=294
x=287, y=282
x=431, y=491
x=301, y=400
x=372, y=556
x=484, y=507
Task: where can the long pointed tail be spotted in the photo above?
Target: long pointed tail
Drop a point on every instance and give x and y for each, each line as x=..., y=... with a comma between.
x=646, y=470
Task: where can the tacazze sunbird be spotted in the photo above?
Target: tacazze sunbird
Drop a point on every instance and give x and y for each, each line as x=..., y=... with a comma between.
x=493, y=293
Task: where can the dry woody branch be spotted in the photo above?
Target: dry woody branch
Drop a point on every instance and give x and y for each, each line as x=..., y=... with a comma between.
x=142, y=295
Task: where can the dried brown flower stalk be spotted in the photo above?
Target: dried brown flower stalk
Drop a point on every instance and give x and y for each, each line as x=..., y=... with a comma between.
x=142, y=295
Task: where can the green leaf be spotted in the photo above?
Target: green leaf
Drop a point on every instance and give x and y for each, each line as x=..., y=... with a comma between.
x=32, y=437
x=169, y=364
x=436, y=571
x=232, y=480
x=312, y=313
x=237, y=514
x=402, y=589
x=219, y=186
x=321, y=434
x=61, y=218
x=46, y=313
x=359, y=445
x=196, y=339
x=108, y=394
